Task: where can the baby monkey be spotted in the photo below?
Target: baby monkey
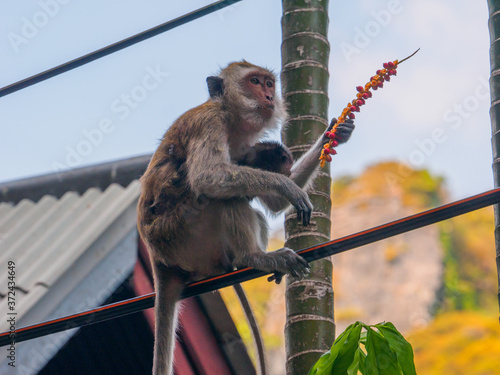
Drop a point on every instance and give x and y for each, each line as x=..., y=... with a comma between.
x=270, y=156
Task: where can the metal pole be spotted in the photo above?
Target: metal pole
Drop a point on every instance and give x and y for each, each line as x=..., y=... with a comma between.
x=494, y=27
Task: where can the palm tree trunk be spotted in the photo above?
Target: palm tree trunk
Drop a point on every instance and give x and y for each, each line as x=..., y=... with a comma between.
x=310, y=329
x=494, y=26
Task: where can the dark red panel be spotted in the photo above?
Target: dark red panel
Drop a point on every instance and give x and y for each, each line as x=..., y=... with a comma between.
x=142, y=285
x=199, y=340
x=199, y=353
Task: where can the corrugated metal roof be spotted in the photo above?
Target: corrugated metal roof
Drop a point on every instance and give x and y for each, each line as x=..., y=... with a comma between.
x=45, y=238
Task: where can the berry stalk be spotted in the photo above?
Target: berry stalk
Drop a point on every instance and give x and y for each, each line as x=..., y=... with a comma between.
x=376, y=82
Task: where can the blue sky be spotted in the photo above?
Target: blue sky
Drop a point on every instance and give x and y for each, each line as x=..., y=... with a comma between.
x=434, y=114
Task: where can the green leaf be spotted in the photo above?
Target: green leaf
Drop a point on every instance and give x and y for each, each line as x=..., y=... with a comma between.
x=318, y=367
x=380, y=358
x=346, y=354
x=329, y=356
x=399, y=344
x=341, y=353
x=362, y=362
x=388, y=353
x=363, y=336
x=357, y=363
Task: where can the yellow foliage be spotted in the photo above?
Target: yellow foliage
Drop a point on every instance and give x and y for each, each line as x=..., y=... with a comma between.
x=393, y=250
x=477, y=237
x=416, y=188
x=348, y=314
x=473, y=250
x=458, y=343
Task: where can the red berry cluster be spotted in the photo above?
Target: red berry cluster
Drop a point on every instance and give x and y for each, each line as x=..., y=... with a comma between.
x=364, y=93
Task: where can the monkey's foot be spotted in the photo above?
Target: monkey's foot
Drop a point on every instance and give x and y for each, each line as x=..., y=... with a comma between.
x=281, y=262
x=288, y=262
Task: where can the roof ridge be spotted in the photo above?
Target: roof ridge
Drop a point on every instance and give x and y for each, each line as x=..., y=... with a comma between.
x=101, y=176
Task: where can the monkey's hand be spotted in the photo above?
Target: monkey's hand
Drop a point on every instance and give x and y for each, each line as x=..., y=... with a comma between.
x=343, y=132
x=288, y=262
x=299, y=199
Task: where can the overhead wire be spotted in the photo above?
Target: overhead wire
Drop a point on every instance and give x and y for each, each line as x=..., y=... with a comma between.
x=112, y=48
x=333, y=247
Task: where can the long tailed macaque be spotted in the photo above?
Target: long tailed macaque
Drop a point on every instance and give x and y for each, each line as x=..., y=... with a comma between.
x=194, y=213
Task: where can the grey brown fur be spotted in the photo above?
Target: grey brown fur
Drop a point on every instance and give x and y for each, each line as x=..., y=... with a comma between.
x=194, y=213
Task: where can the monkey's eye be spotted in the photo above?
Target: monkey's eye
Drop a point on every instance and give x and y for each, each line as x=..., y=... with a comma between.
x=255, y=81
x=269, y=83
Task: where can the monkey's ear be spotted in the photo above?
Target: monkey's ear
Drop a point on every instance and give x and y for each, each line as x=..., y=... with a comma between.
x=215, y=86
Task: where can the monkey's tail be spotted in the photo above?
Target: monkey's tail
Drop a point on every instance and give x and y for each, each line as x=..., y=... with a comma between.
x=252, y=322
x=169, y=286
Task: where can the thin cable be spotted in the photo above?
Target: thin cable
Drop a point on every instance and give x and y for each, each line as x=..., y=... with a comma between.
x=254, y=328
x=116, y=47
x=313, y=253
